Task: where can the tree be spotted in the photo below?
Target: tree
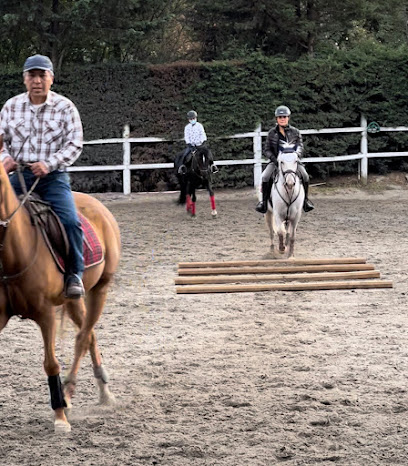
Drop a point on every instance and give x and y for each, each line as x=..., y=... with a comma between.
x=86, y=31
x=159, y=31
x=229, y=28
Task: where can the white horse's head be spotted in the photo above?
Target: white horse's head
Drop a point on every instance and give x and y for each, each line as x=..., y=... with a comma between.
x=288, y=165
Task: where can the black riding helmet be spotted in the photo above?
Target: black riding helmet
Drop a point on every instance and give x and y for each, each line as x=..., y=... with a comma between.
x=191, y=114
x=282, y=110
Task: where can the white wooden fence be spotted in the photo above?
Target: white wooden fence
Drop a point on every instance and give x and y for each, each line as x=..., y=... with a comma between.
x=126, y=167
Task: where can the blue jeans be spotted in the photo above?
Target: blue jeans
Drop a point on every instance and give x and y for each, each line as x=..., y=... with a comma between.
x=55, y=188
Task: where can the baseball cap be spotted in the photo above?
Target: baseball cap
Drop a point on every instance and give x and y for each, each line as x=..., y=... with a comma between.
x=38, y=62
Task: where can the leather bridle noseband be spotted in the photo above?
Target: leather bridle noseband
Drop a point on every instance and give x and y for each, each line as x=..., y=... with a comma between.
x=286, y=173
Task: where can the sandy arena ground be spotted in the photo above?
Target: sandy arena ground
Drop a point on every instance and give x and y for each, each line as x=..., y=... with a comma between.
x=246, y=379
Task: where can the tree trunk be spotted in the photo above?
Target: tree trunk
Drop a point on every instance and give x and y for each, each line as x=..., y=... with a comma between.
x=54, y=30
x=312, y=19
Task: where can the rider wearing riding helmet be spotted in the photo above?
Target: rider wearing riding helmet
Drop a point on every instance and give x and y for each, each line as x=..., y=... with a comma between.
x=282, y=133
x=195, y=137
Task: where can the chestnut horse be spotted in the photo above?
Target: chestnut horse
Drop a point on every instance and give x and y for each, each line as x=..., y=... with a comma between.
x=31, y=287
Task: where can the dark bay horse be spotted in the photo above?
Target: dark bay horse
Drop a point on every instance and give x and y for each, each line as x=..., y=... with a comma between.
x=198, y=175
x=31, y=287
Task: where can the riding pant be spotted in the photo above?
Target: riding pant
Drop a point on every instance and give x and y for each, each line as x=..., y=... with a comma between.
x=55, y=188
x=268, y=172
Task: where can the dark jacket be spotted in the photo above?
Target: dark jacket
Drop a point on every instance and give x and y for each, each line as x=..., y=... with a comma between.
x=293, y=136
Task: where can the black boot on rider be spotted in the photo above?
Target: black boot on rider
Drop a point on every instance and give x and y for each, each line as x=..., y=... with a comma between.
x=262, y=206
x=308, y=204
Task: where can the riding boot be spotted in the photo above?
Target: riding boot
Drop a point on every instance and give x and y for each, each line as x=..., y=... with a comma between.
x=308, y=204
x=74, y=288
x=262, y=206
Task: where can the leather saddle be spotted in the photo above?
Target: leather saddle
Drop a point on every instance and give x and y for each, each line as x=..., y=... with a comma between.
x=51, y=228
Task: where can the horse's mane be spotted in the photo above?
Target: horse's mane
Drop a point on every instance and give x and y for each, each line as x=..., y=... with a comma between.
x=199, y=161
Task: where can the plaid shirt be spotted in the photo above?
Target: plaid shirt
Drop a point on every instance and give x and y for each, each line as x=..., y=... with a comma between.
x=194, y=134
x=51, y=134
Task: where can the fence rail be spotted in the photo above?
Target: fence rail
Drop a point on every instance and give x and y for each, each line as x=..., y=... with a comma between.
x=126, y=167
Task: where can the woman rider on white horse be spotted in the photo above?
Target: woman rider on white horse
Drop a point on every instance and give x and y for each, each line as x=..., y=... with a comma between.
x=282, y=133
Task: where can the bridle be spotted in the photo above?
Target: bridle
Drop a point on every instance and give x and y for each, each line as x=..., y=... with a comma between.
x=285, y=174
x=196, y=166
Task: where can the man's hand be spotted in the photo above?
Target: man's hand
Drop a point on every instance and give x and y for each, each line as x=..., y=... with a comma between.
x=39, y=169
x=9, y=164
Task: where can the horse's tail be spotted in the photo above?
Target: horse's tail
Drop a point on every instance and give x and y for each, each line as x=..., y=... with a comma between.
x=183, y=191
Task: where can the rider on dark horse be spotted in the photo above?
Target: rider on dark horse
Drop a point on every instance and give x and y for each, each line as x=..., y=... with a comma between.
x=195, y=137
x=279, y=135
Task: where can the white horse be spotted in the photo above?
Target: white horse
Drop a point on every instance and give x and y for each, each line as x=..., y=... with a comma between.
x=287, y=197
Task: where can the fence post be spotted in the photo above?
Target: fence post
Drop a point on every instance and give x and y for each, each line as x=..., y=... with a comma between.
x=364, y=150
x=126, y=161
x=257, y=156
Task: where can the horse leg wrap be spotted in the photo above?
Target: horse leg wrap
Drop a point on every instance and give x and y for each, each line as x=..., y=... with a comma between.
x=212, y=199
x=100, y=373
x=56, y=393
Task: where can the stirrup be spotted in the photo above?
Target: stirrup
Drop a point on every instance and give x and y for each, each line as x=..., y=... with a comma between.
x=261, y=207
x=214, y=169
x=182, y=170
x=74, y=288
x=308, y=205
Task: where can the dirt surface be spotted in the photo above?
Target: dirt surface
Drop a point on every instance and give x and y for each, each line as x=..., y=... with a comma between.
x=294, y=378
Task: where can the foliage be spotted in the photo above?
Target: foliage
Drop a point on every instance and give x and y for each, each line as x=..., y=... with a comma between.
x=162, y=31
x=89, y=31
x=234, y=96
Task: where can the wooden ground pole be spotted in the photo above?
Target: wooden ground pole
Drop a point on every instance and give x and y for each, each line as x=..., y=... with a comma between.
x=202, y=279
x=276, y=269
x=332, y=285
x=266, y=262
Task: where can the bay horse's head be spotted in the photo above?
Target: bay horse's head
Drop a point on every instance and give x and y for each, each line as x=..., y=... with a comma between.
x=288, y=166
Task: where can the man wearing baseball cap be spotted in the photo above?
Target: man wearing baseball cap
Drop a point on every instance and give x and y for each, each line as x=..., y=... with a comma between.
x=42, y=130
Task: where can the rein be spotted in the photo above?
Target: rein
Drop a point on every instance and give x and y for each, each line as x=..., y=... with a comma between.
x=6, y=223
x=196, y=166
x=291, y=201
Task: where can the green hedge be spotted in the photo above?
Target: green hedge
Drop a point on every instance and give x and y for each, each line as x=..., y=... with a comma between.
x=232, y=97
